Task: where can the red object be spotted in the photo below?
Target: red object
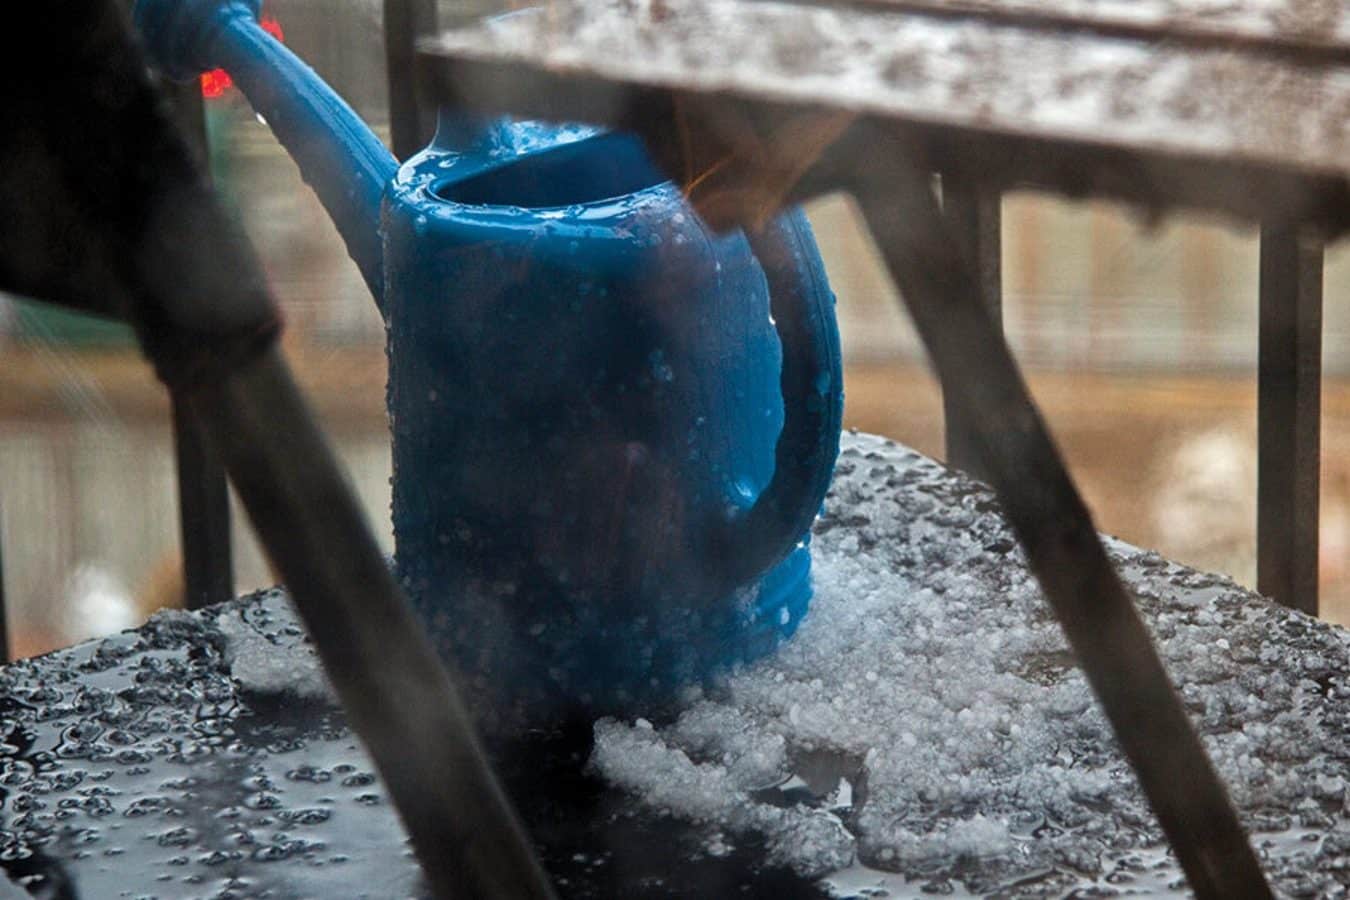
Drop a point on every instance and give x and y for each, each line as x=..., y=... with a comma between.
x=217, y=81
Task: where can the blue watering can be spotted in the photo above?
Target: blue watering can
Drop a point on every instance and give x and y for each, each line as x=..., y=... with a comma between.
x=612, y=428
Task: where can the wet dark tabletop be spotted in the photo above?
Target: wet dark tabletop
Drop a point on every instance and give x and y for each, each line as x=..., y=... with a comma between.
x=143, y=766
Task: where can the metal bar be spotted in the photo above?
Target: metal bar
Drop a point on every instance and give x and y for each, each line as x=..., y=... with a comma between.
x=203, y=492
x=976, y=219
x=1049, y=517
x=203, y=513
x=410, y=124
x=189, y=112
x=5, y=647
x=394, y=689
x=1289, y=416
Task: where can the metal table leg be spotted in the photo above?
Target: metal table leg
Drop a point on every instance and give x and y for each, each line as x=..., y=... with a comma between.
x=1012, y=445
x=409, y=123
x=4, y=609
x=203, y=513
x=203, y=491
x=976, y=219
x=1289, y=417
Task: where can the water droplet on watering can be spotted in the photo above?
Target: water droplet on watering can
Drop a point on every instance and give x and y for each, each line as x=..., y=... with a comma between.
x=744, y=490
x=660, y=369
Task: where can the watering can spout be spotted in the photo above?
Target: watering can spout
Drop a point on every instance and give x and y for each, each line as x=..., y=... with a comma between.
x=338, y=155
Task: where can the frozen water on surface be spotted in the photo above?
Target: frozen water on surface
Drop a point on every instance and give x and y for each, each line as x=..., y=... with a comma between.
x=269, y=653
x=931, y=680
x=164, y=762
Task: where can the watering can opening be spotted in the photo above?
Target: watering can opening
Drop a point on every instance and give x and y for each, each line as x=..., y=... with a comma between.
x=606, y=167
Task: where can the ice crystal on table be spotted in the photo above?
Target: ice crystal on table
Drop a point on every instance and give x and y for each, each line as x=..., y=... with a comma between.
x=176, y=761
x=928, y=719
x=269, y=653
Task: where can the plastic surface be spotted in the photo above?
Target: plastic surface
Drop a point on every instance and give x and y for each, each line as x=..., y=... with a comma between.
x=592, y=504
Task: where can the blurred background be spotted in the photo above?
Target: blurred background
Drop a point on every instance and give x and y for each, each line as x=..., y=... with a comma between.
x=1139, y=339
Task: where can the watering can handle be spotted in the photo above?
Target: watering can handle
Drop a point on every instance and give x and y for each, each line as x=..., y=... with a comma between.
x=812, y=375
